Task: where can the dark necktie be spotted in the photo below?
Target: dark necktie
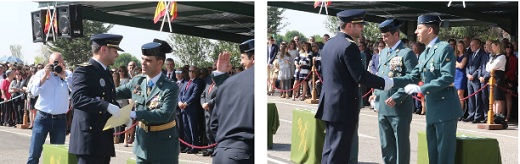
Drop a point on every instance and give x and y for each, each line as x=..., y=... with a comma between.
x=169, y=75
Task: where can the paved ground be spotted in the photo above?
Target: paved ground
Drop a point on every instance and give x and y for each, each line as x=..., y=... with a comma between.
x=14, y=149
x=369, y=149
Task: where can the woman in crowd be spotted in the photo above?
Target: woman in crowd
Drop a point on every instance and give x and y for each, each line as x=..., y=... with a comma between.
x=497, y=62
x=460, y=76
x=32, y=100
x=303, y=63
x=294, y=53
x=284, y=74
x=16, y=89
x=119, y=129
x=511, y=78
x=122, y=72
x=273, y=77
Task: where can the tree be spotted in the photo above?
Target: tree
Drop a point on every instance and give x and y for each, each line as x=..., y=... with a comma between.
x=370, y=32
x=124, y=59
x=78, y=50
x=43, y=58
x=231, y=47
x=289, y=35
x=481, y=32
x=191, y=50
x=16, y=50
x=317, y=38
x=332, y=24
x=274, y=19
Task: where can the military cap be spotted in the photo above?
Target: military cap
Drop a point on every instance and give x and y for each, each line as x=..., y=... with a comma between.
x=247, y=46
x=352, y=16
x=156, y=48
x=429, y=19
x=109, y=40
x=389, y=25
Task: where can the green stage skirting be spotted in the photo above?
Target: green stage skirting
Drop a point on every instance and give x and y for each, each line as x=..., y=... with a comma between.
x=54, y=154
x=471, y=149
x=307, y=137
x=273, y=123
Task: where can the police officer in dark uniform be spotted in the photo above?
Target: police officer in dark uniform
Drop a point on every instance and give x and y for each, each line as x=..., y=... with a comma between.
x=93, y=96
x=232, y=118
x=155, y=97
x=343, y=73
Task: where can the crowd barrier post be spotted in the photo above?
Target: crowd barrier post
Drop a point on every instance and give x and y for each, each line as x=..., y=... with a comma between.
x=313, y=100
x=490, y=125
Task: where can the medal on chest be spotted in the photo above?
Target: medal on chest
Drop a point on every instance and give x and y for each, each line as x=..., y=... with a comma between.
x=102, y=82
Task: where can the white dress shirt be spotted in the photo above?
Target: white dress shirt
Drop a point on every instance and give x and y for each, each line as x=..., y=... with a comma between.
x=53, y=93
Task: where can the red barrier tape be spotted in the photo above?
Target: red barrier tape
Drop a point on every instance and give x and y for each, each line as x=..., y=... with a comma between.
x=507, y=91
x=182, y=141
x=281, y=90
x=462, y=99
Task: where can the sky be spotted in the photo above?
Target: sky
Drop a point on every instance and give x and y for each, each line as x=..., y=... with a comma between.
x=16, y=29
x=307, y=23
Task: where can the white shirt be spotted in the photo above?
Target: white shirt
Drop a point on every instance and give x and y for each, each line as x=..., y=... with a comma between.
x=53, y=93
x=170, y=75
x=430, y=45
x=102, y=65
x=498, y=64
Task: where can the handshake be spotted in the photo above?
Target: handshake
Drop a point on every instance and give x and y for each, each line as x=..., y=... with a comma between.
x=409, y=89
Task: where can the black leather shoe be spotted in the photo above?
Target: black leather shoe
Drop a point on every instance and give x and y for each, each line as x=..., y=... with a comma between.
x=193, y=151
x=185, y=150
x=468, y=119
x=477, y=120
x=207, y=153
x=484, y=121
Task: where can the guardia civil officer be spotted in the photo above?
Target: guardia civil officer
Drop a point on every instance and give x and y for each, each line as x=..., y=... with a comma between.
x=436, y=69
x=395, y=105
x=93, y=97
x=155, y=97
x=343, y=74
x=232, y=118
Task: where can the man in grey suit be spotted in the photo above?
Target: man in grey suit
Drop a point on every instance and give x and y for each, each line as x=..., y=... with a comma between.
x=395, y=106
x=207, y=100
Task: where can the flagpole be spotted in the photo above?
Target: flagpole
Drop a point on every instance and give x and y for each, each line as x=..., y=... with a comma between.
x=168, y=15
x=164, y=17
x=326, y=10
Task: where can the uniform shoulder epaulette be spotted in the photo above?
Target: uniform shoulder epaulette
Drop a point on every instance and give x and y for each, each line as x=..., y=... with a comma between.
x=350, y=40
x=86, y=64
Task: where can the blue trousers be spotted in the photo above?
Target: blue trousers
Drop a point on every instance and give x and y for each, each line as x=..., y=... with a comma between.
x=43, y=125
x=474, y=102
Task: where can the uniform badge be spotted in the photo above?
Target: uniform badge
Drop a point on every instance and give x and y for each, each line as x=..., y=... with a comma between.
x=102, y=82
x=431, y=67
x=447, y=59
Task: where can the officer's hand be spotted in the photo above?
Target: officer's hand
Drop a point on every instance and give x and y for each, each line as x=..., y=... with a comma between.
x=412, y=88
x=224, y=62
x=114, y=110
x=390, y=102
x=205, y=106
x=179, y=104
x=389, y=83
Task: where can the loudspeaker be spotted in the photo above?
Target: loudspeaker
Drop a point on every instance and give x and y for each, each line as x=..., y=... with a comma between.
x=70, y=21
x=38, y=24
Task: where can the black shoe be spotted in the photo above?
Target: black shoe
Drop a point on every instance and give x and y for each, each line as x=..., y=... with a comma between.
x=478, y=120
x=207, y=153
x=484, y=121
x=419, y=111
x=193, y=151
x=185, y=150
x=468, y=119
x=460, y=118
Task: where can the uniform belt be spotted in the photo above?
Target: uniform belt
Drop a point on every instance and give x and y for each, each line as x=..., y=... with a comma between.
x=53, y=116
x=162, y=127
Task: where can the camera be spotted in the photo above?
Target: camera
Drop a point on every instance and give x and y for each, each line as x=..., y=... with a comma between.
x=56, y=68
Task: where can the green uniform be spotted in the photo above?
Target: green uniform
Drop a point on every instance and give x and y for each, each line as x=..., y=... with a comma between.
x=394, y=122
x=436, y=69
x=156, y=108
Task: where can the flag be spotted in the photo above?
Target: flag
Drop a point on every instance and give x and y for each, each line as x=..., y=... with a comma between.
x=55, y=23
x=317, y=3
x=47, y=21
x=173, y=10
x=159, y=11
